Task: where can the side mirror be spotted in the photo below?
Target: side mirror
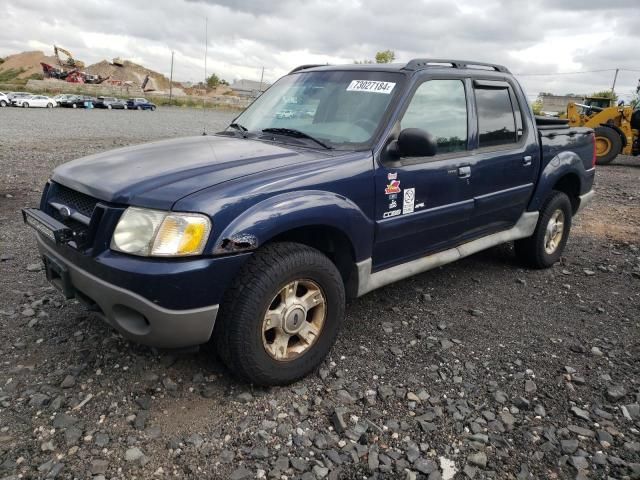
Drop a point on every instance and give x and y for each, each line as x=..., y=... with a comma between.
x=413, y=142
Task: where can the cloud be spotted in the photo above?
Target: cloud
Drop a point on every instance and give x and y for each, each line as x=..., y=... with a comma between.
x=537, y=36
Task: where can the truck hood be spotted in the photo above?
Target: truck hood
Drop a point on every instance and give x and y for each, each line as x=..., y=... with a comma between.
x=156, y=175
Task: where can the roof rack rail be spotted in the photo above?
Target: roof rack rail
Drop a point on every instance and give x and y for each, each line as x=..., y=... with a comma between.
x=420, y=63
x=310, y=65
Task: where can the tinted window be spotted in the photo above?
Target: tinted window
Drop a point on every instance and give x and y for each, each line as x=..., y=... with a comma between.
x=496, y=120
x=440, y=108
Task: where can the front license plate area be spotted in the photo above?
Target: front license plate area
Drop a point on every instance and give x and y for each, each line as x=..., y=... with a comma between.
x=58, y=276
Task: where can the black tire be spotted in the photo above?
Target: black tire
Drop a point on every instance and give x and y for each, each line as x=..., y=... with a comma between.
x=74, y=105
x=531, y=251
x=612, y=138
x=153, y=109
x=238, y=335
x=109, y=107
x=139, y=107
x=49, y=105
x=25, y=105
x=3, y=103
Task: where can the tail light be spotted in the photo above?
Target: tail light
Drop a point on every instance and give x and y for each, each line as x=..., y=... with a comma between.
x=593, y=141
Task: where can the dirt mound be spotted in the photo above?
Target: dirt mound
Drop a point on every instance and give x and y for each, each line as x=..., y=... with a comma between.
x=27, y=63
x=129, y=71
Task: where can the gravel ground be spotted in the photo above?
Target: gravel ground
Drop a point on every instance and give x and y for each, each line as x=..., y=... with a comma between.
x=480, y=369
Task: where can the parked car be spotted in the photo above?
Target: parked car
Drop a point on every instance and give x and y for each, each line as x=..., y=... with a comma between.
x=140, y=104
x=255, y=236
x=62, y=97
x=41, y=101
x=14, y=96
x=4, y=100
x=78, y=101
x=110, y=103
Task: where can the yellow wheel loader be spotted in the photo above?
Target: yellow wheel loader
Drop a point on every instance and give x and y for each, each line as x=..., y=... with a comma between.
x=616, y=127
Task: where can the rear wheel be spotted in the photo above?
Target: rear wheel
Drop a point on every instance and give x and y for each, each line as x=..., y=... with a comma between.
x=281, y=316
x=3, y=103
x=139, y=107
x=109, y=107
x=25, y=105
x=608, y=145
x=74, y=105
x=545, y=246
x=49, y=105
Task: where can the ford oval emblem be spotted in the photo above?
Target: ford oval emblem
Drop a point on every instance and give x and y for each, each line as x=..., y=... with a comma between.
x=65, y=212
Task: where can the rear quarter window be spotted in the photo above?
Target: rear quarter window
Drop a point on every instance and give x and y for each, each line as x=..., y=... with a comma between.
x=498, y=122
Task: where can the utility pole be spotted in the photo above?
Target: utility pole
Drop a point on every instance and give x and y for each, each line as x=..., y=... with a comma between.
x=615, y=77
x=171, y=79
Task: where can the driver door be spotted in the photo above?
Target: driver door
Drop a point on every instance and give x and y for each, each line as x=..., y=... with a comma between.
x=423, y=204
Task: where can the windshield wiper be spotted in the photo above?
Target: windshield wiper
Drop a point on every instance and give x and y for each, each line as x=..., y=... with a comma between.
x=292, y=132
x=237, y=126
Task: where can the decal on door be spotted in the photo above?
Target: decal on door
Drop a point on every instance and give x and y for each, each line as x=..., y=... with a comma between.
x=392, y=213
x=409, y=200
x=393, y=187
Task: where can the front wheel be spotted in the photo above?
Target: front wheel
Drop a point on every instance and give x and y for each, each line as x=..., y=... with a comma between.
x=3, y=103
x=139, y=107
x=49, y=105
x=281, y=316
x=608, y=145
x=25, y=105
x=109, y=107
x=74, y=105
x=545, y=246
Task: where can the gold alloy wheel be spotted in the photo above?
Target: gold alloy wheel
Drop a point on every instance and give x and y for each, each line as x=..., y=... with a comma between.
x=294, y=320
x=603, y=146
x=555, y=229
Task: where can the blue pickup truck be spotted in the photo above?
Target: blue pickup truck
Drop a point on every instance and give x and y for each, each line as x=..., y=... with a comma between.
x=336, y=181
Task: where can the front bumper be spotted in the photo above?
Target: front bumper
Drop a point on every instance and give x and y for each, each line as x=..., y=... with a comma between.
x=137, y=318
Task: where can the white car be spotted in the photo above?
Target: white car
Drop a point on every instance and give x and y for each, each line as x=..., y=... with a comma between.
x=36, y=101
x=4, y=100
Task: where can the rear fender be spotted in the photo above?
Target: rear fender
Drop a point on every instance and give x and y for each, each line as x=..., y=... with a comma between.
x=562, y=164
x=289, y=211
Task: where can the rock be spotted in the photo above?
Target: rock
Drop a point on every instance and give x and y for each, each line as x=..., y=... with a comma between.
x=68, y=382
x=226, y=456
x=47, y=446
x=320, y=472
x=616, y=392
x=448, y=467
x=101, y=439
x=141, y=419
x=605, y=438
x=569, y=446
x=72, y=435
x=260, y=452
x=475, y=312
x=195, y=439
x=34, y=267
x=478, y=459
x=28, y=312
x=530, y=387
x=579, y=463
x=337, y=420
x=39, y=400
x=133, y=455
x=169, y=384
x=425, y=466
x=385, y=392
x=522, y=403
x=596, y=351
x=245, y=397
x=583, y=432
x=631, y=411
x=64, y=421
x=580, y=413
x=500, y=396
x=241, y=474
x=345, y=397
x=99, y=467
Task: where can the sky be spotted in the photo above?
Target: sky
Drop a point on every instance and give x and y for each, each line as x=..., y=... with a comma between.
x=543, y=41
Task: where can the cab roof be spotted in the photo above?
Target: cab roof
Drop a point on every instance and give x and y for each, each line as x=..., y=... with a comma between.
x=411, y=66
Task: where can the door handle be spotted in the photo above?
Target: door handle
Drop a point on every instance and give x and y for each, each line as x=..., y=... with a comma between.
x=526, y=161
x=464, y=172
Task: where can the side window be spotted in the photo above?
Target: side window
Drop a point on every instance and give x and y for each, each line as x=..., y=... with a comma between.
x=498, y=124
x=440, y=108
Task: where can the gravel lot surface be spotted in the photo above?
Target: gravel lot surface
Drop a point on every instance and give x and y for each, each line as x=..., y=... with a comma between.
x=480, y=369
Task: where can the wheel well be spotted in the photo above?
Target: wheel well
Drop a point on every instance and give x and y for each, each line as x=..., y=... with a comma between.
x=330, y=241
x=570, y=185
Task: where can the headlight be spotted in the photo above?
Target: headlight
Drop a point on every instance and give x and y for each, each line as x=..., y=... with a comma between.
x=157, y=233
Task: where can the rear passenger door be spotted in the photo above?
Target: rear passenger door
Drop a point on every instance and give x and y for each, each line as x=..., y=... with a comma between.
x=423, y=204
x=506, y=157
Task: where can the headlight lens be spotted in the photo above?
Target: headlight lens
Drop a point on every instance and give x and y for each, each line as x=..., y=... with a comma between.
x=156, y=233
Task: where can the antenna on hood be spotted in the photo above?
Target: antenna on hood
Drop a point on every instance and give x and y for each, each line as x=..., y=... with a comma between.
x=206, y=51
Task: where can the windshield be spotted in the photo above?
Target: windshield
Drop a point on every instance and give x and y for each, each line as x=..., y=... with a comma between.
x=342, y=109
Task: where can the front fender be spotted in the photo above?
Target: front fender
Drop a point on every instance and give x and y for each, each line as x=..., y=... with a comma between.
x=292, y=210
x=565, y=163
